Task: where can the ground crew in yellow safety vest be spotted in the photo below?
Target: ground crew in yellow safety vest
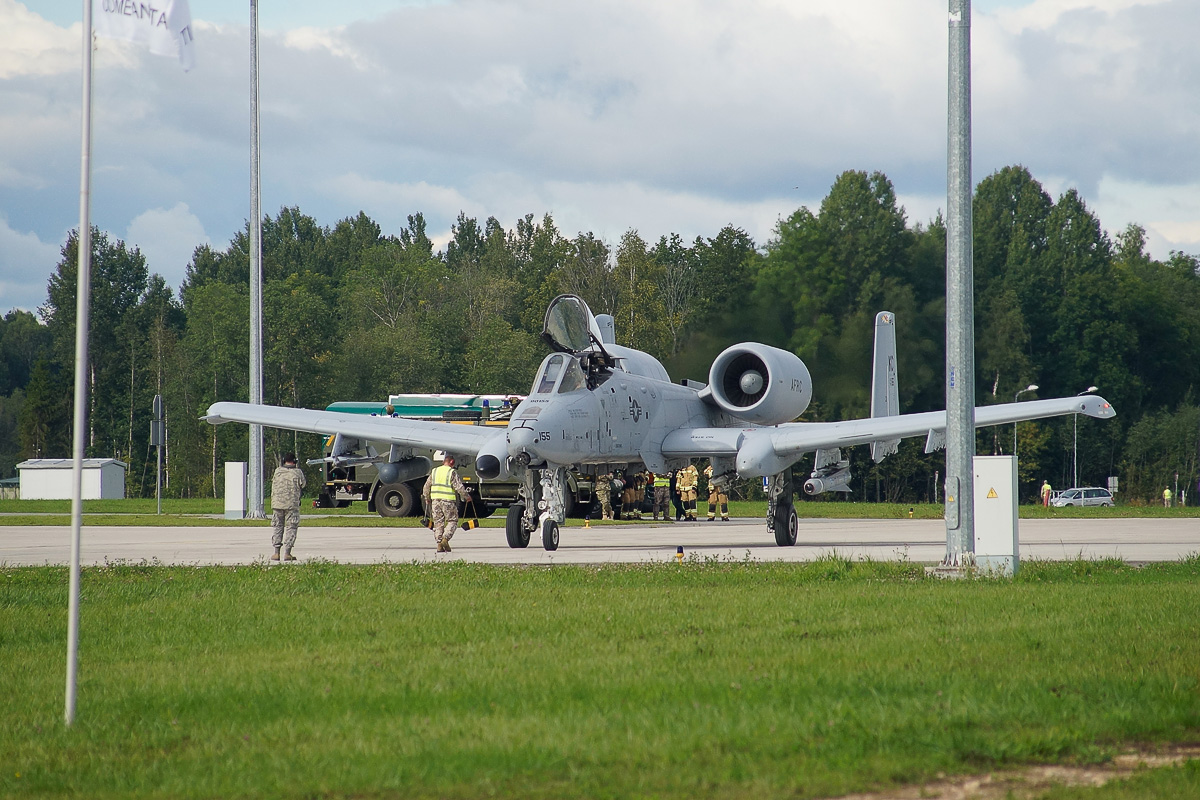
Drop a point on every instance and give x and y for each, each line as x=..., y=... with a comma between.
x=1046, y=490
x=716, y=495
x=686, y=482
x=662, y=495
x=1167, y=497
x=442, y=489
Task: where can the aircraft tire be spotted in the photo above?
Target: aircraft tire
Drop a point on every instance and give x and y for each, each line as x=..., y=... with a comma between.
x=395, y=500
x=550, y=534
x=514, y=526
x=787, y=526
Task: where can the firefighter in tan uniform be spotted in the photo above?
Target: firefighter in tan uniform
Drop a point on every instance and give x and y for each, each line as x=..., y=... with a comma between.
x=687, y=482
x=716, y=495
x=631, y=500
x=443, y=487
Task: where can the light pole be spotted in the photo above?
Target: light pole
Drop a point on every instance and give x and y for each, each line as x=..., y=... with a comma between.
x=1075, y=445
x=1033, y=387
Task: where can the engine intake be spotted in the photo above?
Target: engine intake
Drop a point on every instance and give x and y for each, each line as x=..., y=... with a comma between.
x=760, y=383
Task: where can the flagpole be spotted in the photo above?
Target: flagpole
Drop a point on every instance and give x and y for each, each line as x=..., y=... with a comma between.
x=83, y=290
x=255, y=488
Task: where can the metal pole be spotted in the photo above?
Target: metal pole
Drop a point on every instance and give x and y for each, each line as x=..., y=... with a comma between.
x=157, y=429
x=255, y=486
x=1075, y=453
x=158, y=479
x=1075, y=443
x=1033, y=387
x=1015, y=396
x=82, y=316
x=960, y=299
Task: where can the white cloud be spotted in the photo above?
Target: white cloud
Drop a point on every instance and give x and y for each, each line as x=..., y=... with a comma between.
x=611, y=209
x=1170, y=215
x=167, y=238
x=674, y=116
x=385, y=201
x=1045, y=14
x=26, y=263
x=311, y=39
x=29, y=45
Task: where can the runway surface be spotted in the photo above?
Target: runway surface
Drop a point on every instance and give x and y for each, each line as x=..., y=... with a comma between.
x=921, y=541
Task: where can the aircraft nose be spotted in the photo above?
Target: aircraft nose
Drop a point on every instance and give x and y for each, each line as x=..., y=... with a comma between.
x=520, y=440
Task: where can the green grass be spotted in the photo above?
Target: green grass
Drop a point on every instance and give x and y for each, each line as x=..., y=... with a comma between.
x=191, y=512
x=1174, y=783
x=149, y=506
x=710, y=678
x=129, y=506
x=176, y=521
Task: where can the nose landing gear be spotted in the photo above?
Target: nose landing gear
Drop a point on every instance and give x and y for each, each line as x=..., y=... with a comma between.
x=550, y=534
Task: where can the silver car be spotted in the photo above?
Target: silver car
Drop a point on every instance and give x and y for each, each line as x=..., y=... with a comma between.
x=1089, y=496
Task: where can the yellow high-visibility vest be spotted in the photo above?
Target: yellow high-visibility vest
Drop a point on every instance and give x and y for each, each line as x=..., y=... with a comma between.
x=442, y=489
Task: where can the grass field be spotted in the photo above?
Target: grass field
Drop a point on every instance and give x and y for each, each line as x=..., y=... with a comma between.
x=728, y=680
x=177, y=512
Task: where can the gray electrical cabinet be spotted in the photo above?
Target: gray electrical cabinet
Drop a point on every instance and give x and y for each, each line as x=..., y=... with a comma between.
x=996, y=539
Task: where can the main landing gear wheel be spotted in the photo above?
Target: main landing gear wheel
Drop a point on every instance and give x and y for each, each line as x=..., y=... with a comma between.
x=514, y=526
x=395, y=500
x=550, y=534
x=786, y=526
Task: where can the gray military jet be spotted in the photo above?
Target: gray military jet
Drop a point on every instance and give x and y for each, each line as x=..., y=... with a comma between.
x=596, y=406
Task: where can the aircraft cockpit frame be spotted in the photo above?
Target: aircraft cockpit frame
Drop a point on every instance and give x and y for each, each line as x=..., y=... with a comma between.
x=560, y=373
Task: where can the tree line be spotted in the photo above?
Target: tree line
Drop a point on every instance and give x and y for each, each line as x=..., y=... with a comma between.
x=352, y=314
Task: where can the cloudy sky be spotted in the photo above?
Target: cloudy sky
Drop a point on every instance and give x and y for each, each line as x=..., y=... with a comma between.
x=667, y=116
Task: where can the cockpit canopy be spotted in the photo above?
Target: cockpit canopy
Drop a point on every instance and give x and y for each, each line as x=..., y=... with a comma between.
x=570, y=326
x=560, y=374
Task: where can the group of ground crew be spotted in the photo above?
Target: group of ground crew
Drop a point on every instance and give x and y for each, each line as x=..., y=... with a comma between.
x=679, y=488
x=444, y=489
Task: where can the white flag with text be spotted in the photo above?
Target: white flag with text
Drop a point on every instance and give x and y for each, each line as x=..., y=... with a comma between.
x=165, y=25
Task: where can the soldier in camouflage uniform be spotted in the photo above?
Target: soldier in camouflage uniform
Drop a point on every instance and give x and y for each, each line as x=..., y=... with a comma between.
x=440, y=487
x=604, y=489
x=286, y=485
x=662, y=494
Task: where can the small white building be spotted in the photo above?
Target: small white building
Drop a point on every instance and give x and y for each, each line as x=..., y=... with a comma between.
x=50, y=478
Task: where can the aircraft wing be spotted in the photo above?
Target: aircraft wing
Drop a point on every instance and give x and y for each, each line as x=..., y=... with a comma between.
x=458, y=439
x=768, y=450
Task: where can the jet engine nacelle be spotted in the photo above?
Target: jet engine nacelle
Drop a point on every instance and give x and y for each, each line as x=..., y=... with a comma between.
x=759, y=383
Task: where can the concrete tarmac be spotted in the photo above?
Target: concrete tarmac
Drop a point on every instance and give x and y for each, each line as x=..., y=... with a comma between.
x=920, y=541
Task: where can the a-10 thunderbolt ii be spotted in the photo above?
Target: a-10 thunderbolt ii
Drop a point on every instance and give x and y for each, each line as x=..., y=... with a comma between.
x=595, y=405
